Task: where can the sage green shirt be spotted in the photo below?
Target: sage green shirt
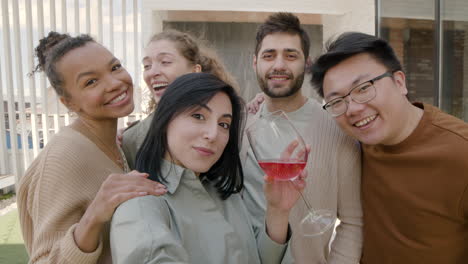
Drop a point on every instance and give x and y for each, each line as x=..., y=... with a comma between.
x=133, y=138
x=190, y=224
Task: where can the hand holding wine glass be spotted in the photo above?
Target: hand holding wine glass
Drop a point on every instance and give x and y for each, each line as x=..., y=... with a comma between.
x=283, y=195
x=282, y=154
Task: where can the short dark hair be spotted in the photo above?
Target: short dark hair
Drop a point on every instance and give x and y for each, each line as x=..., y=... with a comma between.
x=347, y=45
x=188, y=91
x=51, y=49
x=283, y=23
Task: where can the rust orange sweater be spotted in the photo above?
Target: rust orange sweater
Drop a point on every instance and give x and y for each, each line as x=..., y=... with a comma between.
x=415, y=197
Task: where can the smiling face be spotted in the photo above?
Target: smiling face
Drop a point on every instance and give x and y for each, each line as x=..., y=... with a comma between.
x=97, y=86
x=197, y=137
x=280, y=65
x=162, y=64
x=379, y=121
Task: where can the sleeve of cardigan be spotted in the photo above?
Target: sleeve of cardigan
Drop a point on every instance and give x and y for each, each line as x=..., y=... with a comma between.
x=55, y=203
x=347, y=245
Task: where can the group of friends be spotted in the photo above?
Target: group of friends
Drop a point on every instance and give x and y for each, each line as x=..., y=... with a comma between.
x=183, y=185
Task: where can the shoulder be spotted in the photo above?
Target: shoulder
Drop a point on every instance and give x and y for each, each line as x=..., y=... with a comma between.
x=73, y=151
x=448, y=123
x=446, y=137
x=142, y=228
x=130, y=135
x=143, y=208
x=133, y=128
x=314, y=104
x=134, y=135
x=139, y=125
x=68, y=159
x=314, y=114
x=324, y=127
x=68, y=142
x=59, y=151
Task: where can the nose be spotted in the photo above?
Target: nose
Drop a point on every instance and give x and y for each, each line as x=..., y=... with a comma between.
x=114, y=83
x=154, y=71
x=210, y=131
x=280, y=64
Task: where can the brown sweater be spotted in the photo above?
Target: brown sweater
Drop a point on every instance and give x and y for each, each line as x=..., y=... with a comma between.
x=54, y=194
x=415, y=196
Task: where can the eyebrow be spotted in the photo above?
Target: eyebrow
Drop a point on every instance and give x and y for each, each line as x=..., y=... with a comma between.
x=357, y=81
x=227, y=116
x=268, y=51
x=157, y=55
x=291, y=50
x=83, y=74
x=331, y=95
x=209, y=110
x=286, y=49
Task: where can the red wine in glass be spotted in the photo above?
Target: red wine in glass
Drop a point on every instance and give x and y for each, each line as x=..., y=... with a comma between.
x=282, y=170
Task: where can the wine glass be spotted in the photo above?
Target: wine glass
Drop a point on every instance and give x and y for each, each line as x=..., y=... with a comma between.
x=281, y=153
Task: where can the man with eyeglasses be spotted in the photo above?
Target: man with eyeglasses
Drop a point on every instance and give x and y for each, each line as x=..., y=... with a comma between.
x=415, y=157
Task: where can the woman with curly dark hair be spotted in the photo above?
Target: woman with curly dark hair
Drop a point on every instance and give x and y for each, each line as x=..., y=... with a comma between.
x=69, y=193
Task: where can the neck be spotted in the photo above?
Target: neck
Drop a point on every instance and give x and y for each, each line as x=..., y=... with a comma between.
x=411, y=119
x=287, y=104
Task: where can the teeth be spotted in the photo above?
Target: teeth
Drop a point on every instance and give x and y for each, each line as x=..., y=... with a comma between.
x=159, y=85
x=279, y=79
x=365, y=121
x=118, y=98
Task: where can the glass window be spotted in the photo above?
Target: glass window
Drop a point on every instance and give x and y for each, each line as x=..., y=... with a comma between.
x=409, y=27
x=455, y=58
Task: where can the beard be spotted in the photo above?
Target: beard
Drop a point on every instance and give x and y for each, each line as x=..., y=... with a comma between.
x=275, y=91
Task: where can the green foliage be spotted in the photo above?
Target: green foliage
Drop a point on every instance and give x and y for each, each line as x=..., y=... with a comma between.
x=6, y=196
x=12, y=250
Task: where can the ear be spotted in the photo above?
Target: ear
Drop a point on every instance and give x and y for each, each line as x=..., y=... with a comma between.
x=399, y=78
x=69, y=104
x=308, y=63
x=197, y=68
x=254, y=63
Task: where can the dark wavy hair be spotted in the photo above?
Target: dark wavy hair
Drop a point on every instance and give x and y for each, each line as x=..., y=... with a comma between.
x=188, y=91
x=282, y=22
x=51, y=49
x=347, y=45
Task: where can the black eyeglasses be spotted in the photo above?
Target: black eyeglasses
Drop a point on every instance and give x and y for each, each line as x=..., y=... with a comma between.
x=360, y=94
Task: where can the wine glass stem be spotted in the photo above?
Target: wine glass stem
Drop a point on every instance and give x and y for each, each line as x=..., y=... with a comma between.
x=305, y=201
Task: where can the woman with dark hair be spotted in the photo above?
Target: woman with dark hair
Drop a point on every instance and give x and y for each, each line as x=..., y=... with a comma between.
x=193, y=147
x=69, y=193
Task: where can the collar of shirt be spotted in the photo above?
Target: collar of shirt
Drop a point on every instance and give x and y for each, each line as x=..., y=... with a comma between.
x=173, y=174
